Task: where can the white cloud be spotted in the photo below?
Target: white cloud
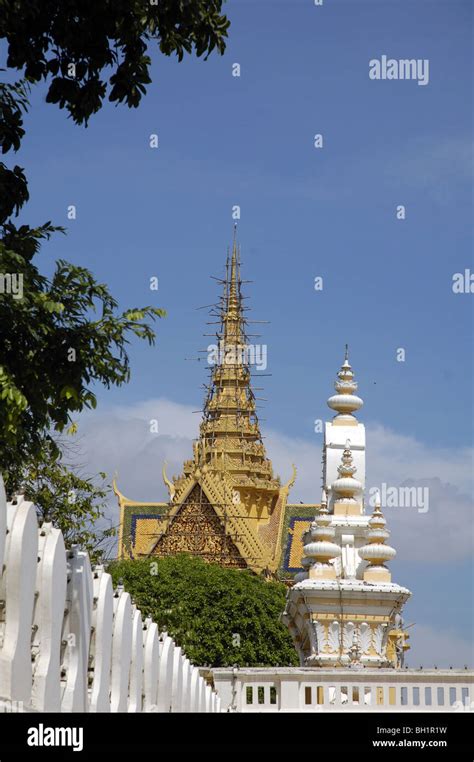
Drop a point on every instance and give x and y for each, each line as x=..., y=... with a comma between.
x=394, y=458
x=444, y=533
x=174, y=419
x=119, y=439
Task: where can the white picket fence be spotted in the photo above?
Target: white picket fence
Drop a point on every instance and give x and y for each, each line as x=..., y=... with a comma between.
x=69, y=642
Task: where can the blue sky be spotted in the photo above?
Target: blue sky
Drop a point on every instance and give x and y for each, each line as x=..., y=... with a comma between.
x=305, y=212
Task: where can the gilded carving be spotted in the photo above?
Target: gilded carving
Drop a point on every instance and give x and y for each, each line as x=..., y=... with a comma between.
x=196, y=529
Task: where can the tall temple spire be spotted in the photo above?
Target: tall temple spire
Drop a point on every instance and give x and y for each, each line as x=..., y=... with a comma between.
x=230, y=437
x=226, y=505
x=234, y=274
x=232, y=317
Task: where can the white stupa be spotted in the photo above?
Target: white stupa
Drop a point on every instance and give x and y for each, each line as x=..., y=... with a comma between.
x=344, y=610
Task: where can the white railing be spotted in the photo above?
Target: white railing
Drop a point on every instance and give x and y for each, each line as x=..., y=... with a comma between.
x=300, y=689
x=69, y=642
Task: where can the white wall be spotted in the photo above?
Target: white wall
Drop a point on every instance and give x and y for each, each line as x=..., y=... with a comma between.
x=295, y=689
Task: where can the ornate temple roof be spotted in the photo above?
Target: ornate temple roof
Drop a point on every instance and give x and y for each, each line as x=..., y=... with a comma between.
x=227, y=505
x=230, y=441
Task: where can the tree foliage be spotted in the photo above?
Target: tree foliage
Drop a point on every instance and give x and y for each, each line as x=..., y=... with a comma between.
x=220, y=616
x=73, y=503
x=87, y=49
x=60, y=337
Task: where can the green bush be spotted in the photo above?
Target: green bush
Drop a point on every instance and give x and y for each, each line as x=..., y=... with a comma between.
x=219, y=616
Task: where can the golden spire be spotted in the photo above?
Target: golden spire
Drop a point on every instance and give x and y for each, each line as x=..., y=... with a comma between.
x=233, y=288
x=230, y=439
x=232, y=318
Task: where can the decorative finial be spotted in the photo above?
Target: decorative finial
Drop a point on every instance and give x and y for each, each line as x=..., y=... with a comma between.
x=292, y=479
x=324, y=499
x=345, y=402
x=321, y=549
x=169, y=484
x=346, y=468
x=377, y=552
x=234, y=241
x=346, y=488
x=232, y=315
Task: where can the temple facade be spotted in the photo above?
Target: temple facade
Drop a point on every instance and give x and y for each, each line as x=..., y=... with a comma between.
x=227, y=506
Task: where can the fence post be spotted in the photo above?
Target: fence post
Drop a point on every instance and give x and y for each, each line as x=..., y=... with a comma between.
x=186, y=686
x=51, y=579
x=17, y=591
x=165, y=679
x=151, y=665
x=3, y=523
x=177, y=677
x=194, y=690
x=101, y=641
x=121, y=651
x=136, y=667
x=77, y=630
